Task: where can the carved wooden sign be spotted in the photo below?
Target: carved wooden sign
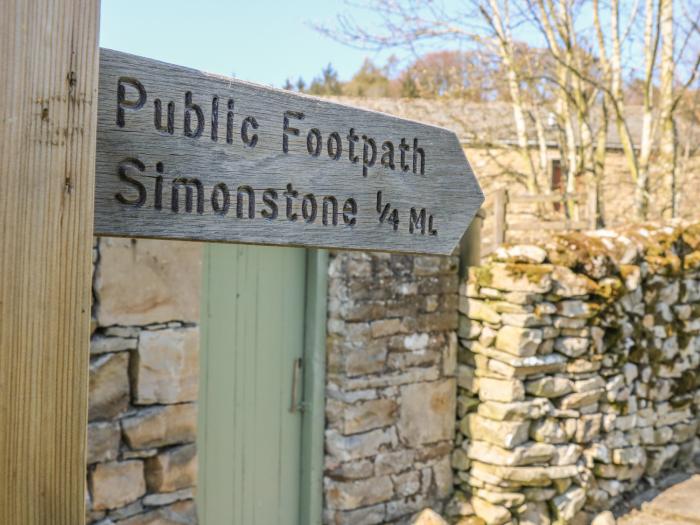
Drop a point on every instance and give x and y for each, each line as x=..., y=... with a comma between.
x=183, y=154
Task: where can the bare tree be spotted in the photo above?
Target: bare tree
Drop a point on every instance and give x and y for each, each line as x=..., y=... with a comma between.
x=584, y=76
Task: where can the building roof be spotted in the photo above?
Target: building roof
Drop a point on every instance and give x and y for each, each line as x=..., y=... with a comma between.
x=479, y=124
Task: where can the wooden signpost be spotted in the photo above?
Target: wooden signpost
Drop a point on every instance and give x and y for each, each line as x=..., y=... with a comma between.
x=179, y=155
x=47, y=156
x=187, y=155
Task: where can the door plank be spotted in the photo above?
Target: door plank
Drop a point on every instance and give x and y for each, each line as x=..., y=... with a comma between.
x=253, y=330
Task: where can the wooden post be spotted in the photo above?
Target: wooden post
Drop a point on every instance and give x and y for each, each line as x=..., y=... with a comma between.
x=313, y=424
x=500, y=201
x=470, y=246
x=49, y=56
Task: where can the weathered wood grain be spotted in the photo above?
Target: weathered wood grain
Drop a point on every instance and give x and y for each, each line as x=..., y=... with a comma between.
x=49, y=56
x=249, y=151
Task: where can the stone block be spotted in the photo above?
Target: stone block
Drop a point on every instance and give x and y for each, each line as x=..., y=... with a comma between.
x=406, y=360
x=487, y=336
x=393, y=462
x=126, y=512
x=427, y=517
x=577, y=309
x=346, y=448
x=103, y=440
x=369, y=415
x=629, y=456
x=402, y=377
x=427, y=412
x=348, y=495
x=439, y=321
x=522, y=342
x=468, y=329
x=567, y=505
x=566, y=283
x=145, y=281
x=570, y=326
x=404, y=507
x=534, y=513
x=549, y=386
x=582, y=366
x=538, y=493
x=503, y=390
x=465, y=378
x=165, y=369
x=443, y=478
x=592, y=383
x=449, y=358
x=537, y=476
x=660, y=459
x=372, y=515
x=505, y=434
x=530, y=409
x=109, y=386
x=490, y=513
x=116, y=484
x=366, y=358
x=180, y=513
x=460, y=460
x=566, y=454
x=159, y=500
x=572, y=346
x=407, y=483
x=358, y=469
x=386, y=327
x=434, y=451
x=508, y=366
x=526, y=320
x=524, y=253
x=515, y=277
x=588, y=428
x=604, y=518
x=161, y=426
x=499, y=497
x=103, y=345
x=417, y=341
x=478, y=310
x=126, y=332
x=580, y=399
x=459, y=505
x=548, y=430
x=527, y=454
x=173, y=469
x=620, y=472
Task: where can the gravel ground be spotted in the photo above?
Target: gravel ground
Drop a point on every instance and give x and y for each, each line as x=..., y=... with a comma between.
x=676, y=504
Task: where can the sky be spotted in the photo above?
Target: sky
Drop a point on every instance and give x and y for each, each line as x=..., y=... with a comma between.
x=263, y=41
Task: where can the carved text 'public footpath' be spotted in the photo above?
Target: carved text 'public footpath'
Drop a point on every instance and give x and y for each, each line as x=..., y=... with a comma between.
x=208, y=158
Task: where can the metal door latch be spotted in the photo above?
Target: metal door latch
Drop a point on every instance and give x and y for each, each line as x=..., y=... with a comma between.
x=296, y=406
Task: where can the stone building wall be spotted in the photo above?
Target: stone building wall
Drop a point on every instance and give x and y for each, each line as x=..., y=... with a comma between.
x=142, y=462
x=391, y=390
x=578, y=374
x=494, y=167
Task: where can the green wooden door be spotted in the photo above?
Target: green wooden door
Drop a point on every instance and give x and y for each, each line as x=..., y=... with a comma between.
x=250, y=446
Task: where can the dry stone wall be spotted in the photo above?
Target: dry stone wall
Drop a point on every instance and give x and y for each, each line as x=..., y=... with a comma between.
x=142, y=463
x=578, y=374
x=391, y=390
